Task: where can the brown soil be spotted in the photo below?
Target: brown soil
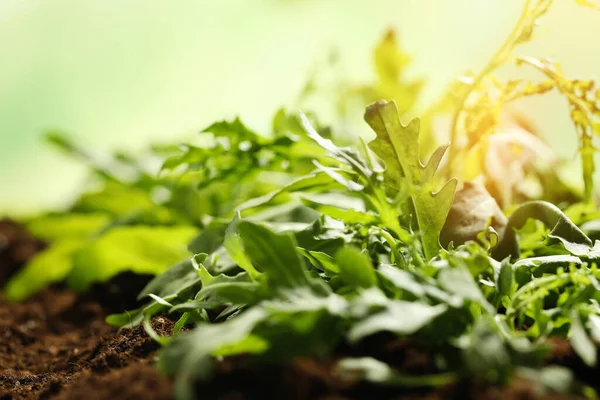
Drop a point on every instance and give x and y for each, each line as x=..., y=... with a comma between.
x=57, y=346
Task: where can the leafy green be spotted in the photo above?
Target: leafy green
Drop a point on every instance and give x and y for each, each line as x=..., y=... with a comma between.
x=144, y=250
x=563, y=230
x=355, y=267
x=398, y=146
x=372, y=370
x=294, y=244
x=52, y=265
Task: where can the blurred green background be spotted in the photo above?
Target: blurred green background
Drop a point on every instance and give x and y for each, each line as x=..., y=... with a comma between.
x=120, y=73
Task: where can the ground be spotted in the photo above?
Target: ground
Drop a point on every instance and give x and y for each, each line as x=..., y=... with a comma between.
x=56, y=345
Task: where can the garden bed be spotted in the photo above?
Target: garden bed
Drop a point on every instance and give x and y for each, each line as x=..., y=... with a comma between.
x=57, y=345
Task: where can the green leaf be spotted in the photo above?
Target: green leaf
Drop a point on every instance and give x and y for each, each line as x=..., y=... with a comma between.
x=273, y=254
x=581, y=342
x=356, y=268
x=398, y=146
x=400, y=317
x=252, y=344
x=174, y=280
x=402, y=279
x=141, y=249
x=563, y=230
x=131, y=319
x=51, y=265
x=235, y=248
x=339, y=177
x=320, y=260
x=375, y=371
x=233, y=128
x=545, y=264
x=594, y=325
x=459, y=282
x=210, y=239
x=188, y=356
x=72, y=225
x=338, y=210
x=302, y=184
x=506, y=279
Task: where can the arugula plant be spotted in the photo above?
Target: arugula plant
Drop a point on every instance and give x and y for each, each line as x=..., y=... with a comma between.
x=274, y=290
x=133, y=219
x=290, y=245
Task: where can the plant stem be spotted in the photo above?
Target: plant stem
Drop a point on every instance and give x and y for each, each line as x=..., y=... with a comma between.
x=496, y=61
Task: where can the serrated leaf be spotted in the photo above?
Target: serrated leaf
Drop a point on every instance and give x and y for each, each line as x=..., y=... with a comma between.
x=398, y=146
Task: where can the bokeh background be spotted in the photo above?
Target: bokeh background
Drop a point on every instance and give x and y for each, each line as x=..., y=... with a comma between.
x=121, y=73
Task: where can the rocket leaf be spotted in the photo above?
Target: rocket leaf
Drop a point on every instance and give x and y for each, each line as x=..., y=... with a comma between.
x=398, y=146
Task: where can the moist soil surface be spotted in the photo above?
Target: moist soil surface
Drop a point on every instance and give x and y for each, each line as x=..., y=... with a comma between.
x=56, y=345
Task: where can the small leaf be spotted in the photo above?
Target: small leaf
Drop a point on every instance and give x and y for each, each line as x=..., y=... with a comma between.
x=274, y=254
x=339, y=178
x=580, y=340
x=459, y=282
x=356, y=268
x=188, y=356
x=506, y=279
x=160, y=300
x=400, y=317
x=233, y=244
x=174, y=280
x=375, y=371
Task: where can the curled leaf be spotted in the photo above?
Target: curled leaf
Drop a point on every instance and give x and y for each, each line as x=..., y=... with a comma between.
x=472, y=212
x=563, y=230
